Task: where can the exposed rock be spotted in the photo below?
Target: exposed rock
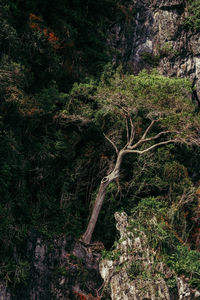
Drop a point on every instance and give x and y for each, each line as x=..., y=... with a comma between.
x=135, y=273
x=183, y=289
x=168, y=4
x=156, y=27
x=134, y=257
x=4, y=292
x=59, y=269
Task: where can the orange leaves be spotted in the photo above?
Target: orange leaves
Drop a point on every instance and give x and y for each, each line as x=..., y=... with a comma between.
x=52, y=37
x=33, y=22
x=45, y=32
x=36, y=23
x=82, y=296
x=35, y=26
x=33, y=17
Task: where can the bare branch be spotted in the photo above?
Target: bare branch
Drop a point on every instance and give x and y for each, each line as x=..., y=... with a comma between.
x=158, y=135
x=150, y=148
x=143, y=137
x=148, y=129
x=125, y=110
x=112, y=143
x=132, y=132
x=127, y=131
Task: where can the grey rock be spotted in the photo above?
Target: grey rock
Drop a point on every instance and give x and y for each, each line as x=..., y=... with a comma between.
x=156, y=26
x=58, y=269
x=136, y=258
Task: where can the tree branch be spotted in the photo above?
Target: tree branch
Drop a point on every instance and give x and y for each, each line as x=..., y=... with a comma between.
x=143, y=137
x=148, y=129
x=150, y=148
x=127, y=132
x=158, y=135
x=112, y=143
x=132, y=132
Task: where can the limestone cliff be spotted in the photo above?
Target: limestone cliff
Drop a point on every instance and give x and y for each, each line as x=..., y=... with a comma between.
x=63, y=268
x=152, y=34
x=133, y=272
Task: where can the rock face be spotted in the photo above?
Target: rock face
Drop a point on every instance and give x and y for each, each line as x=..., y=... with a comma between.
x=61, y=269
x=134, y=257
x=153, y=34
x=134, y=273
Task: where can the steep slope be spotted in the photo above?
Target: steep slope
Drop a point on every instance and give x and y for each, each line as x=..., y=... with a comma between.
x=154, y=34
x=134, y=271
x=52, y=158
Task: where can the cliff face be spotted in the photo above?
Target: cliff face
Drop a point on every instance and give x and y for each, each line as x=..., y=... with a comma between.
x=59, y=269
x=152, y=34
x=133, y=271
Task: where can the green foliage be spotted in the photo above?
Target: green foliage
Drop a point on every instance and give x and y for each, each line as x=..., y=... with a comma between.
x=192, y=21
x=135, y=270
x=151, y=59
x=112, y=254
x=15, y=272
x=187, y=262
x=154, y=218
x=149, y=211
x=145, y=97
x=80, y=100
x=167, y=49
x=156, y=91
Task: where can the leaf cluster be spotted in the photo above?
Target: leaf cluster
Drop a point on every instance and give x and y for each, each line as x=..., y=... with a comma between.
x=147, y=97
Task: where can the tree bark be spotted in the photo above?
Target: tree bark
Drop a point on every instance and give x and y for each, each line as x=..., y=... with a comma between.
x=87, y=236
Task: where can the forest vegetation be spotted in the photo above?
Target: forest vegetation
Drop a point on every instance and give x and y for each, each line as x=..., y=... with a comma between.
x=65, y=115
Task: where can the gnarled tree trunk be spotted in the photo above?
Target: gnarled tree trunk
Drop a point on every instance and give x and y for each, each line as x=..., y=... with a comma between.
x=87, y=236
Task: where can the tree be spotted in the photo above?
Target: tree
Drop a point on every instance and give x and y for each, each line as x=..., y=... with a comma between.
x=151, y=111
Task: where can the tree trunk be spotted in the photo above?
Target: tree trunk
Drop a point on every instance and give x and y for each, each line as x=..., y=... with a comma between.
x=96, y=209
x=87, y=236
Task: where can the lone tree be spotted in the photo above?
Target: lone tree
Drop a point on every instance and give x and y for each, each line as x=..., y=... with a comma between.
x=148, y=111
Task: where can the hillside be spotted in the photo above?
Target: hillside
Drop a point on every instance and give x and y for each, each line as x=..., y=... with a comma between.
x=99, y=116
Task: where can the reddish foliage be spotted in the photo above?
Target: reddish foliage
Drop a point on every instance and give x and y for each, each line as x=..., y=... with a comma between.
x=52, y=37
x=86, y=297
x=34, y=17
x=35, y=26
x=35, y=23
